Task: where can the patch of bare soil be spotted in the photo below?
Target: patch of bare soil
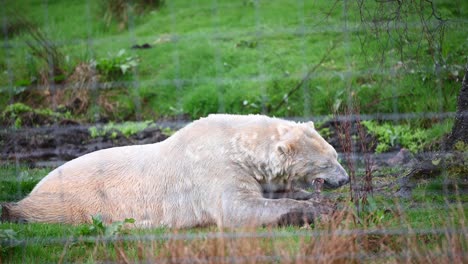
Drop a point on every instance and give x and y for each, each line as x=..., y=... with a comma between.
x=59, y=144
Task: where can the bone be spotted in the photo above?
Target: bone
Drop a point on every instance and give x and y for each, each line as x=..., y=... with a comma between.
x=318, y=185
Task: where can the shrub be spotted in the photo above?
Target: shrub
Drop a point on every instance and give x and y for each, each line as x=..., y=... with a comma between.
x=47, y=53
x=98, y=228
x=115, y=67
x=390, y=135
x=120, y=10
x=18, y=115
x=8, y=239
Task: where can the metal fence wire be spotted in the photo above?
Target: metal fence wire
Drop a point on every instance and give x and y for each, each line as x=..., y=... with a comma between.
x=68, y=90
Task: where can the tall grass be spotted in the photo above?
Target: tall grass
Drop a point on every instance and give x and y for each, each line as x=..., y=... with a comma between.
x=344, y=239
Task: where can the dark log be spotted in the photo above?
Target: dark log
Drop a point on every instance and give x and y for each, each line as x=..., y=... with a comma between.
x=459, y=130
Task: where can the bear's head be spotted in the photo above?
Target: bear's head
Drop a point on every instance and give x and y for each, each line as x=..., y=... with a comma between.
x=306, y=157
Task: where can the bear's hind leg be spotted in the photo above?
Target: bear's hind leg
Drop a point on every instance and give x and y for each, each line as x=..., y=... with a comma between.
x=48, y=208
x=9, y=214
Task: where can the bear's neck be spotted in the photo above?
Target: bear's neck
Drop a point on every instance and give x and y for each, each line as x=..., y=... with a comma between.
x=256, y=158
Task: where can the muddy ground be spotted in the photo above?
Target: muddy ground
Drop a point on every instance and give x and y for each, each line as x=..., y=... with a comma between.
x=55, y=145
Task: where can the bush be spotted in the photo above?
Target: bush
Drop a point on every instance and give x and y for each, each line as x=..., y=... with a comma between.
x=390, y=135
x=46, y=53
x=18, y=115
x=115, y=67
x=120, y=10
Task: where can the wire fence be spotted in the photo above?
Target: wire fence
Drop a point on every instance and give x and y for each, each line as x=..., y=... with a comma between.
x=55, y=140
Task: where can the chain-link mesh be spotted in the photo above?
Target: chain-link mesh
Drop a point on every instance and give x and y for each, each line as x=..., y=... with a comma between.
x=46, y=140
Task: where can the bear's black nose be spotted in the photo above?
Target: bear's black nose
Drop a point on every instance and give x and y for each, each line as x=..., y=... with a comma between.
x=343, y=181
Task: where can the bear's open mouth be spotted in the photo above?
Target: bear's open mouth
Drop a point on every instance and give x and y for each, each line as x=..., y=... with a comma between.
x=318, y=184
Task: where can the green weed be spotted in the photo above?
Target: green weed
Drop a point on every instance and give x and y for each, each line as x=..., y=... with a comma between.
x=415, y=139
x=325, y=132
x=461, y=146
x=98, y=228
x=115, y=67
x=18, y=114
x=371, y=214
x=126, y=129
x=8, y=240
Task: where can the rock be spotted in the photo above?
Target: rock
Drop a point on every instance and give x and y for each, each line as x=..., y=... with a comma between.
x=143, y=46
x=401, y=158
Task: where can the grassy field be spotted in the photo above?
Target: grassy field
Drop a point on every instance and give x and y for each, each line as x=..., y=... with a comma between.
x=240, y=57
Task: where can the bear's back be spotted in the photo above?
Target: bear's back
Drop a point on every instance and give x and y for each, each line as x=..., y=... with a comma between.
x=238, y=121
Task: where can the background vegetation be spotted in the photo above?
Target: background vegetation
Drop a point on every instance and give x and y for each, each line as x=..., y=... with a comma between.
x=127, y=63
x=236, y=57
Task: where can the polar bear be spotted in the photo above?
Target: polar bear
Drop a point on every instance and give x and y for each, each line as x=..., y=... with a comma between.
x=218, y=170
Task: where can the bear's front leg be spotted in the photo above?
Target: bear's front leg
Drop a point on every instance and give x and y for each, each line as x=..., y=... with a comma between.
x=295, y=194
x=301, y=216
x=259, y=211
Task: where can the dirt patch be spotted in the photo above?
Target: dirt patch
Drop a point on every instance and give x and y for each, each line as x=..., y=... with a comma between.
x=60, y=144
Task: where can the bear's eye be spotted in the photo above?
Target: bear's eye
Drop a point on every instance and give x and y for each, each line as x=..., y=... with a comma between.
x=323, y=166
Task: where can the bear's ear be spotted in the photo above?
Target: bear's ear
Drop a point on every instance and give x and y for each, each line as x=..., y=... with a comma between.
x=311, y=124
x=285, y=147
x=287, y=134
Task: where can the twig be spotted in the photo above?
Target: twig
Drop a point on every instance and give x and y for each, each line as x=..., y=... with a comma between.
x=328, y=13
x=344, y=136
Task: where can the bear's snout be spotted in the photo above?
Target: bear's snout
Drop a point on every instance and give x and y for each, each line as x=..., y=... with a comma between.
x=343, y=181
x=337, y=178
x=342, y=176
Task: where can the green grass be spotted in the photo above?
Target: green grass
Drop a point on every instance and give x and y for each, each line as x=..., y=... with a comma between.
x=220, y=73
x=17, y=181
x=53, y=242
